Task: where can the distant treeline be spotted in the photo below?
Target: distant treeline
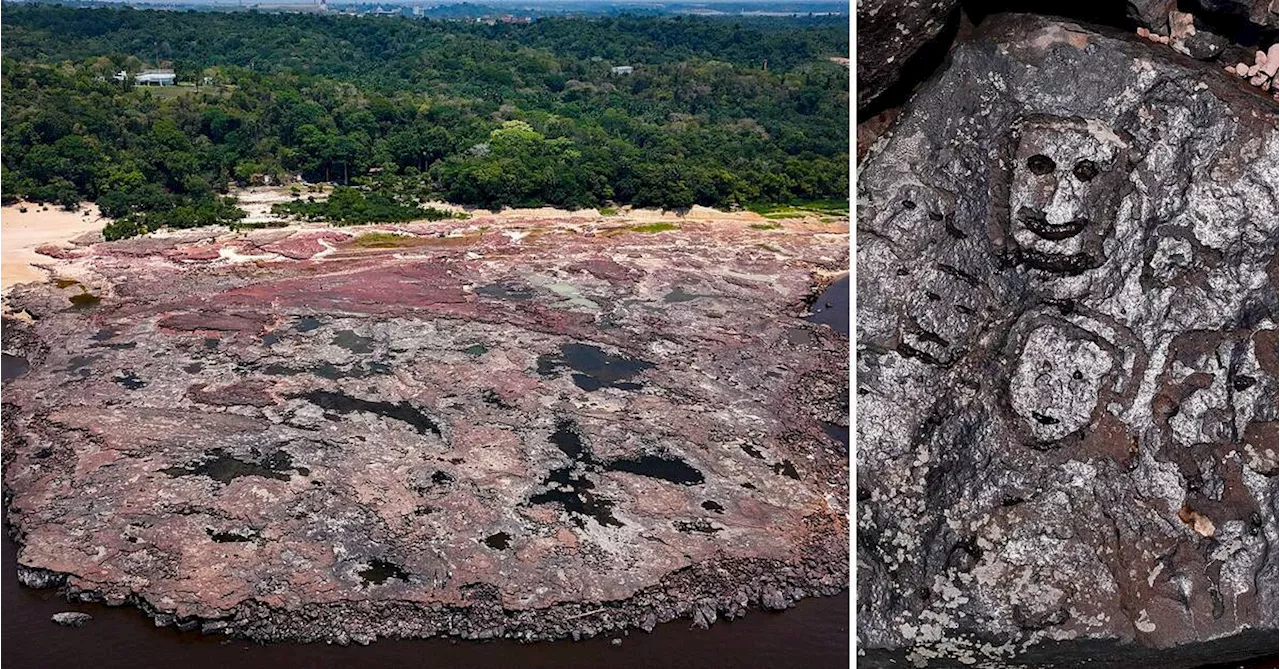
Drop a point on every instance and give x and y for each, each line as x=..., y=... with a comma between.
x=492, y=116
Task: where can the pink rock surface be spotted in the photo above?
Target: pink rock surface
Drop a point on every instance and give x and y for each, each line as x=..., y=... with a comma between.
x=480, y=437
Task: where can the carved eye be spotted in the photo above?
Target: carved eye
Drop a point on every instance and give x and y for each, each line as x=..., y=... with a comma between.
x=1040, y=164
x=1085, y=170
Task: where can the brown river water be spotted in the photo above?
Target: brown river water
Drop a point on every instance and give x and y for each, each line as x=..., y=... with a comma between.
x=813, y=635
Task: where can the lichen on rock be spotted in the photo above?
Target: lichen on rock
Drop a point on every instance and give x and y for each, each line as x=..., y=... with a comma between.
x=1066, y=360
x=361, y=443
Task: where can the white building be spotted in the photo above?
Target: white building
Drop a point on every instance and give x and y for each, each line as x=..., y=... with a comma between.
x=622, y=69
x=155, y=78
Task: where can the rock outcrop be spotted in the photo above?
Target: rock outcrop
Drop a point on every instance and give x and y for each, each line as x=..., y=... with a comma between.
x=1066, y=360
x=502, y=428
x=71, y=619
x=890, y=32
x=1151, y=14
x=1259, y=12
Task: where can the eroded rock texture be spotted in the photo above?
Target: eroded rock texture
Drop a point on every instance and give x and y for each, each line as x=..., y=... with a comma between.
x=530, y=431
x=890, y=32
x=1066, y=361
x=1258, y=12
x=1151, y=14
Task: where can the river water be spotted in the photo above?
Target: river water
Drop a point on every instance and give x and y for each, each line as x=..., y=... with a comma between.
x=814, y=634
x=832, y=306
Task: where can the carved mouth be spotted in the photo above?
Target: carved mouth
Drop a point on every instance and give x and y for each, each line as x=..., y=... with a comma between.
x=1059, y=263
x=1036, y=222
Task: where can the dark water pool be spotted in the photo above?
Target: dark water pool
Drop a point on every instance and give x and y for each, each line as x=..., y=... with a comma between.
x=13, y=366
x=813, y=635
x=595, y=368
x=832, y=306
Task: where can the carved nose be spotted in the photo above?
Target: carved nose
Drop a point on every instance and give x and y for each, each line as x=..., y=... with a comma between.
x=1065, y=205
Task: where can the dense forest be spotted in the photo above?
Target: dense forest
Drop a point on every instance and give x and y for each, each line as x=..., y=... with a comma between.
x=719, y=112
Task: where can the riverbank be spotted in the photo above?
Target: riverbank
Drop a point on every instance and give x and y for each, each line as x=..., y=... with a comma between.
x=563, y=449
x=815, y=633
x=22, y=232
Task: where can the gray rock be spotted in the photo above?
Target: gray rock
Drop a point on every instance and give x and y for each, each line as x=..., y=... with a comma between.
x=1205, y=45
x=1151, y=14
x=704, y=616
x=890, y=32
x=213, y=627
x=1260, y=12
x=1067, y=395
x=39, y=578
x=71, y=618
x=649, y=622
x=772, y=599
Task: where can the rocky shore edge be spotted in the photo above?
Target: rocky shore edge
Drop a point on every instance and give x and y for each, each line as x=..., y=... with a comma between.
x=703, y=593
x=721, y=589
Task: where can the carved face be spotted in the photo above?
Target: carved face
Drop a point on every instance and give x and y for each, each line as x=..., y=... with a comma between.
x=1069, y=176
x=1057, y=383
x=1066, y=374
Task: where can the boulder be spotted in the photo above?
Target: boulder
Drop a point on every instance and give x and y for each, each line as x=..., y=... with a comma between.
x=1204, y=45
x=71, y=619
x=1151, y=14
x=890, y=32
x=1067, y=394
x=1258, y=12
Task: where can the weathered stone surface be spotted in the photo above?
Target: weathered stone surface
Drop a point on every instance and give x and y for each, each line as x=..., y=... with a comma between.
x=1259, y=12
x=1067, y=360
x=535, y=430
x=71, y=619
x=1151, y=14
x=890, y=32
x=1204, y=45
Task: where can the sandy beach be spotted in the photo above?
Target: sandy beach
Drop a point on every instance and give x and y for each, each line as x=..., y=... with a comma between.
x=21, y=233
x=24, y=232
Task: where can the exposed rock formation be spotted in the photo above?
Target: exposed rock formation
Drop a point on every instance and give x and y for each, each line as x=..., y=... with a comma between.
x=1258, y=12
x=1067, y=360
x=890, y=32
x=525, y=430
x=71, y=619
x=1151, y=14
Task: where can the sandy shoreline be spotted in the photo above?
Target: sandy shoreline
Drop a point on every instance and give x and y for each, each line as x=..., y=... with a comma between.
x=22, y=233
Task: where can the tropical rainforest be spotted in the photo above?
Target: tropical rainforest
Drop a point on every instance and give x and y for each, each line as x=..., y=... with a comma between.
x=717, y=111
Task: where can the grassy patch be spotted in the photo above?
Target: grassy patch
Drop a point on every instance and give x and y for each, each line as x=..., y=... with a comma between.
x=181, y=89
x=385, y=240
x=608, y=211
x=765, y=226
x=776, y=211
x=655, y=227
